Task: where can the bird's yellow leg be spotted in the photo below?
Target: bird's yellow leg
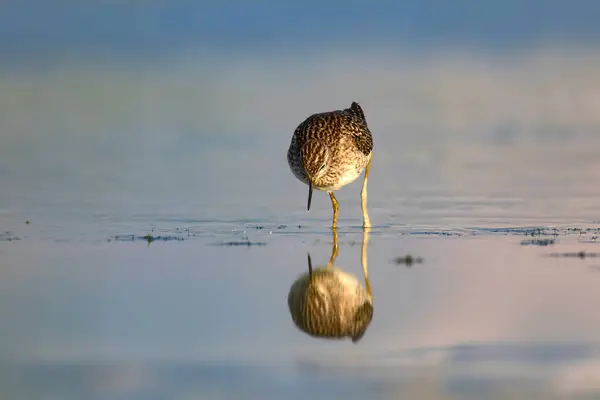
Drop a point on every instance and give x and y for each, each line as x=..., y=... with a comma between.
x=363, y=258
x=335, y=205
x=363, y=196
x=334, y=250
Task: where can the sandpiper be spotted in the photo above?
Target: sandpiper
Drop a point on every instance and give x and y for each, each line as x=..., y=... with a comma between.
x=328, y=302
x=330, y=150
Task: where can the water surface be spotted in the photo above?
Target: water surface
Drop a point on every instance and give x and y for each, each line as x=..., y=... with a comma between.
x=150, y=231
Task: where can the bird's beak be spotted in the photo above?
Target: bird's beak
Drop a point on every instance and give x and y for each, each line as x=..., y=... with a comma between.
x=310, y=190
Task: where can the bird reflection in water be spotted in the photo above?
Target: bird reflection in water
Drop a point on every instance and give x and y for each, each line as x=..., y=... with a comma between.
x=329, y=303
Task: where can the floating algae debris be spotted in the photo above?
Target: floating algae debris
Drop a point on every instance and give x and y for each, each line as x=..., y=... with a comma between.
x=435, y=233
x=247, y=243
x=148, y=238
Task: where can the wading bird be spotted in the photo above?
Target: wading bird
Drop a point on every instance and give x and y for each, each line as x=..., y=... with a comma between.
x=330, y=150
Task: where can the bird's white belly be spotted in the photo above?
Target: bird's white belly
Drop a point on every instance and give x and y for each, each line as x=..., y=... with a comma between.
x=349, y=175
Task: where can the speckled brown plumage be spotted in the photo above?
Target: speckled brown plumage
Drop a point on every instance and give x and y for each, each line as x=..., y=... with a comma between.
x=329, y=150
x=330, y=303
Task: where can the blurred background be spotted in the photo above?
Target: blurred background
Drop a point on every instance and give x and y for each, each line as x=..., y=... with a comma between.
x=115, y=104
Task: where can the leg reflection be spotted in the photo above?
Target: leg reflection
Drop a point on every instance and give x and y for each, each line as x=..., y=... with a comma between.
x=363, y=258
x=334, y=250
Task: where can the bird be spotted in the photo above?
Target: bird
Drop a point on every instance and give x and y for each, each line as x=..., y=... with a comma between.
x=331, y=149
x=330, y=303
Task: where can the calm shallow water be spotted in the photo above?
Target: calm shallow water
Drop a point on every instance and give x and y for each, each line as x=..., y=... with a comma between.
x=201, y=312
x=91, y=310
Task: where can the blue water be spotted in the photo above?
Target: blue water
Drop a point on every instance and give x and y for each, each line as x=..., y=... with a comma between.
x=150, y=229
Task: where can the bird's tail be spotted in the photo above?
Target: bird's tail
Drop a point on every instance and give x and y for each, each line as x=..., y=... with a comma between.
x=357, y=111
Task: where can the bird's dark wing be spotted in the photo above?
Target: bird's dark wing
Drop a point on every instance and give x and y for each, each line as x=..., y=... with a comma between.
x=364, y=141
x=357, y=127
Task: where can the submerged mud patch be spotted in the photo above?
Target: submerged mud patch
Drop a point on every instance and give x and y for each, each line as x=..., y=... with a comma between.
x=538, y=242
x=8, y=237
x=546, y=236
x=579, y=254
x=408, y=260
